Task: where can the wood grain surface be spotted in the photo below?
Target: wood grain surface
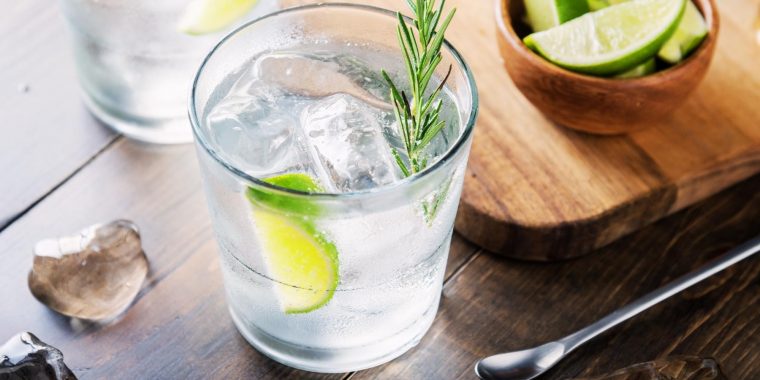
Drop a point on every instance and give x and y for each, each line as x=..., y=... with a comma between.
x=46, y=132
x=537, y=191
x=179, y=327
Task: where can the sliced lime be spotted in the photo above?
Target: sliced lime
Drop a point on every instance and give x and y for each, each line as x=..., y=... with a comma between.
x=285, y=203
x=208, y=16
x=596, y=5
x=302, y=261
x=611, y=40
x=546, y=14
x=690, y=33
x=645, y=68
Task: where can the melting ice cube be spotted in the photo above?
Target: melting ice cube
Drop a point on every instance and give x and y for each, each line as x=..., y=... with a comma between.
x=94, y=275
x=24, y=356
x=348, y=142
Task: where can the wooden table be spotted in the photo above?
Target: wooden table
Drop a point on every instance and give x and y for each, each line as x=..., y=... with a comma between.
x=60, y=170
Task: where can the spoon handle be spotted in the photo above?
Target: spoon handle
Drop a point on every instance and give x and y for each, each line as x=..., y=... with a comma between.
x=737, y=254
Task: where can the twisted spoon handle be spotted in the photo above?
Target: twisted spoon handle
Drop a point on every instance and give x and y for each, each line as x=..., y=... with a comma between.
x=737, y=254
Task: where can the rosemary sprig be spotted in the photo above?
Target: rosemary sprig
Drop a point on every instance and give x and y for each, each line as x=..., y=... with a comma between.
x=418, y=117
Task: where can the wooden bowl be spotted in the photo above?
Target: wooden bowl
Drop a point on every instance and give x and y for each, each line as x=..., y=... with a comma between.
x=593, y=104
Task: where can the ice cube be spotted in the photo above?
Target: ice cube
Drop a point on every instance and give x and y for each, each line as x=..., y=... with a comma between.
x=348, y=143
x=94, y=275
x=675, y=368
x=24, y=356
x=254, y=131
x=319, y=76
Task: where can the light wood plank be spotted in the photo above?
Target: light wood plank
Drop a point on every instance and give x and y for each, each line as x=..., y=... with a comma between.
x=179, y=323
x=498, y=305
x=46, y=131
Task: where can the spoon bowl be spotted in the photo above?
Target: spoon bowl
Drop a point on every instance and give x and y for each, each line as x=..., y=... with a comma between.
x=522, y=365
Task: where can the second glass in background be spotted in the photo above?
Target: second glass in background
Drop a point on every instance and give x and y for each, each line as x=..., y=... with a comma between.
x=136, y=59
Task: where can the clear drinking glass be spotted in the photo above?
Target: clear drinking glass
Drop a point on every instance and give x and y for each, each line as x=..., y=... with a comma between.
x=135, y=65
x=298, y=92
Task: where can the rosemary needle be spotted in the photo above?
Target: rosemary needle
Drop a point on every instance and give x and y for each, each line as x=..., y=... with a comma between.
x=418, y=115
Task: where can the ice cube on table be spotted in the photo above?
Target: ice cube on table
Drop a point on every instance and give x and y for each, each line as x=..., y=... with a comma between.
x=24, y=356
x=346, y=138
x=94, y=275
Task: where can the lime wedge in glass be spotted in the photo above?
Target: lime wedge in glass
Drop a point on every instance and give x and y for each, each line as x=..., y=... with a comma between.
x=690, y=33
x=208, y=16
x=611, y=40
x=546, y=14
x=645, y=68
x=300, y=259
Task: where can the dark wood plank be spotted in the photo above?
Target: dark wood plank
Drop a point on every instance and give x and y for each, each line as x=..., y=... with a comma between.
x=496, y=305
x=46, y=132
x=179, y=325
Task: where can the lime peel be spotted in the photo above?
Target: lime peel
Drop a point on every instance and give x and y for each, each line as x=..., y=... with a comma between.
x=690, y=33
x=300, y=258
x=641, y=70
x=611, y=40
x=546, y=14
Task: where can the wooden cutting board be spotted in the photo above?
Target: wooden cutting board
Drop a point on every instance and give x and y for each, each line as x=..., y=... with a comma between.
x=541, y=192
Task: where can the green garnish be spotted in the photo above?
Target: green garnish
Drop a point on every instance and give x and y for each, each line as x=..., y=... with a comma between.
x=418, y=116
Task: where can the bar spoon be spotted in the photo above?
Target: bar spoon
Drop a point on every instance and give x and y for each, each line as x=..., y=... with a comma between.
x=530, y=363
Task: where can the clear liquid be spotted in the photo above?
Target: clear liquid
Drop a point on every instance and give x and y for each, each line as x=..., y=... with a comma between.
x=309, y=111
x=313, y=111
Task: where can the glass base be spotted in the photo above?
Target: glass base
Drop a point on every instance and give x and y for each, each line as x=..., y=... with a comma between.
x=338, y=360
x=157, y=131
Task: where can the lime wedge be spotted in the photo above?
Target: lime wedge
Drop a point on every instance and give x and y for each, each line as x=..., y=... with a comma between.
x=611, y=40
x=645, y=68
x=301, y=260
x=546, y=14
x=208, y=16
x=690, y=33
x=595, y=5
x=293, y=205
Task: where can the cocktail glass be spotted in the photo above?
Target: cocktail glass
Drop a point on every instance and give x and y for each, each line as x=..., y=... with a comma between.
x=135, y=62
x=332, y=260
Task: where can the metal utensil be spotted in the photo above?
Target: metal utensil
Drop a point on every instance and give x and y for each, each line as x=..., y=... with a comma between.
x=530, y=363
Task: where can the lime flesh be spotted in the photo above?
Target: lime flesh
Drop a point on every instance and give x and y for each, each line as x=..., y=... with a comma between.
x=690, y=33
x=546, y=14
x=595, y=5
x=611, y=40
x=299, y=258
x=209, y=16
x=645, y=68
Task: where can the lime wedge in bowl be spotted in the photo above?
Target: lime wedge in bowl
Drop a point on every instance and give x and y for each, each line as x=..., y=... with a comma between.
x=595, y=5
x=546, y=14
x=611, y=40
x=300, y=259
x=209, y=16
x=690, y=33
x=645, y=68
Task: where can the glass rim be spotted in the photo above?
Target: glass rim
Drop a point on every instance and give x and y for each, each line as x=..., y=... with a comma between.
x=458, y=145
